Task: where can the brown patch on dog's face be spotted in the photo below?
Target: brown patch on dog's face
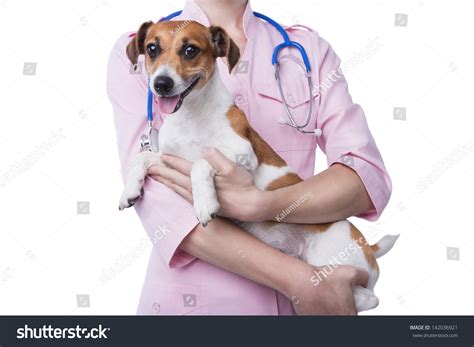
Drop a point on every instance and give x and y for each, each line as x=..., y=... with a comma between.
x=136, y=45
x=224, y=46
x=186, y=47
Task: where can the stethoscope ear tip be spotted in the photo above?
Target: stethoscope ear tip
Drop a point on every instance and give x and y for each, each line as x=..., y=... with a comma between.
x=318, y=132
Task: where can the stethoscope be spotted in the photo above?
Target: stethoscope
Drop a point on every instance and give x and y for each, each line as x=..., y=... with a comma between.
x=149, y=141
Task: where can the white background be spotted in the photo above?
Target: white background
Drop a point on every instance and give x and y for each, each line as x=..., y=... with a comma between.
x=49, y=253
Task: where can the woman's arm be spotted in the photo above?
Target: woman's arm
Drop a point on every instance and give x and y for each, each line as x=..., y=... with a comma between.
x=225, y=245
x=334, y=194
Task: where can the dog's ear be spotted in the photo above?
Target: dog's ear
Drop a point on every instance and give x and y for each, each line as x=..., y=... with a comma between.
x=136, y=46
x=224, y=46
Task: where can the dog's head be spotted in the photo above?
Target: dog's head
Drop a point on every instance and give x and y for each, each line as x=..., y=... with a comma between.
x=180, y=58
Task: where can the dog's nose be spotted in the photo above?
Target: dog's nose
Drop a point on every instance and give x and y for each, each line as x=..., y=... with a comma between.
x=163, y=84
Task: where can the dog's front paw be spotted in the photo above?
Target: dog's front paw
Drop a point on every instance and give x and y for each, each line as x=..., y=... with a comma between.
x=131, y=194
x=206, y=209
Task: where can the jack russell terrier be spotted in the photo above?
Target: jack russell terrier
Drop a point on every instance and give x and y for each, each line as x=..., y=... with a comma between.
x=180, y=59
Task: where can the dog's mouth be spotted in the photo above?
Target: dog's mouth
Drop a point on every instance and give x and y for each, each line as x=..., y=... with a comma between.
x=171, y=104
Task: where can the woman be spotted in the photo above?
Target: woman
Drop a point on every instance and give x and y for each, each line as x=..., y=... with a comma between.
x=221, y=269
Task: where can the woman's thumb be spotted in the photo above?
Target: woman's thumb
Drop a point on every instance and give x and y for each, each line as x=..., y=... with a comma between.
x=217, y=160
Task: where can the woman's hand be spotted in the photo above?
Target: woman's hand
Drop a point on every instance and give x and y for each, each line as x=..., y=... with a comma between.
x=332, y=295
x=236, y=191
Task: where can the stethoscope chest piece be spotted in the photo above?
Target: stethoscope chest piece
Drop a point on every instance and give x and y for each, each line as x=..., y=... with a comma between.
x=149, y=142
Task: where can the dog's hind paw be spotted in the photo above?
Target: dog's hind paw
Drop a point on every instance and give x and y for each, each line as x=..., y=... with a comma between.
x=365, y=299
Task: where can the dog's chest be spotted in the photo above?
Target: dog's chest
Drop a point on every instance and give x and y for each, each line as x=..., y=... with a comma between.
x=186, y=136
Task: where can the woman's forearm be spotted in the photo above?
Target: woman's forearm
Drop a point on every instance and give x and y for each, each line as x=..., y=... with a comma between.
x=225, y=245
x=334, y=194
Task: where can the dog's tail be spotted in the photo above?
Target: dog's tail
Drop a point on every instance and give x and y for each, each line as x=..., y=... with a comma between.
x=384, y=245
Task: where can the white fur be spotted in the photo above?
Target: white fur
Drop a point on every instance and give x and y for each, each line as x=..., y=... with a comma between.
x=386, y=244
x=136, y=174
x=334, y=247
x=202, y=121
x=180, y=84
x=204, y=192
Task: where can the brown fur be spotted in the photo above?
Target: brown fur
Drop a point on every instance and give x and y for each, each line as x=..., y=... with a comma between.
x=224, y=46
x=313, y=228
x=265, y=154
x=170, y=36
x=284, y=181
x=366, y=248
x=375, y=248
x=136, y=45
x=318, y=228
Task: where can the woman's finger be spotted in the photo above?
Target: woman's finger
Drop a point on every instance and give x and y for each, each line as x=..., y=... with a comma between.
x=178, y=189
x=171, y=175
x=179, y=164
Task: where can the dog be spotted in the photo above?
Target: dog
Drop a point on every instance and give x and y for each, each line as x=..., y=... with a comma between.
x=180, y=60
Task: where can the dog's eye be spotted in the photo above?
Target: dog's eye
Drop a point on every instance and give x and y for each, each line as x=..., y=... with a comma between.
x=152, y=50
x=190, y=51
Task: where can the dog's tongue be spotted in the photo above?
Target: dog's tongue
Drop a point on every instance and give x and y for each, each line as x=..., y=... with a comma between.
x=167, y=104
